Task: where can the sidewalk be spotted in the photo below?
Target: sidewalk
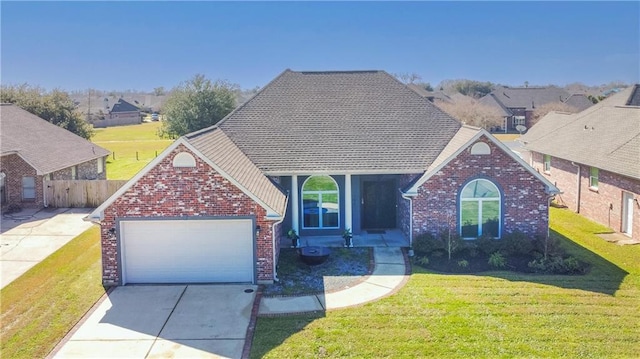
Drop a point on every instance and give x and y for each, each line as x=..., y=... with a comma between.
x=388, y=276
x=31, y=235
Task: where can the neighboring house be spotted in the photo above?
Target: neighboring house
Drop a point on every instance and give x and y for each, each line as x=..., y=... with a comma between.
x=594, y=158
x=33, y=151
x=430, y=95
x=121, y=113
x=517, y=104
x=317, y=152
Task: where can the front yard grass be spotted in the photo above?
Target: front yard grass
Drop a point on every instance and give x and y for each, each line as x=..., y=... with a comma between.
x=132, y=147
x=494, y=314
x=40, y=307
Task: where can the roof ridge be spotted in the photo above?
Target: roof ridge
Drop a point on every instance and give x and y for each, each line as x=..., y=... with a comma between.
x=338, y=72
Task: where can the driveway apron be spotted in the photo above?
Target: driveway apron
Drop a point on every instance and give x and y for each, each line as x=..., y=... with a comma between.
x=161, y=321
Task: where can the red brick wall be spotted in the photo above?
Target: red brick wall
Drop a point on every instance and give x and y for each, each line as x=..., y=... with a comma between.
x=14, y=167
x=166, y=191
x=524, y=201
x=603, y=205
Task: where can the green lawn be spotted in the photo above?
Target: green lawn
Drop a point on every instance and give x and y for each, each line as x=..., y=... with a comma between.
x=495, y=314
x=504, y=137
x=39, y=308
x=132, y=147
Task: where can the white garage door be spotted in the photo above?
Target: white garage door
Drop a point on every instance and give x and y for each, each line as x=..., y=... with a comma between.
x=193, y=251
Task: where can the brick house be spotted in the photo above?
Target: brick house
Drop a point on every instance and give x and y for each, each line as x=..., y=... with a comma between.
x=121, y=113
x=317, y=152
x=594, y=158
x=517, y=104
x=33, y=151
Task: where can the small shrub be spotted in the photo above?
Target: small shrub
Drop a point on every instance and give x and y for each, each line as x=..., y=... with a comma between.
x=424, y=261
x=463, y=263
x=557, y=265
x=516, y=243
x=497, y=260
x=487, y=245
x=426, y=243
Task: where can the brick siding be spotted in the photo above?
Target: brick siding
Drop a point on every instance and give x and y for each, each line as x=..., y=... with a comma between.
x=524, y=200
x=14, y=167
x=166, y=191
x=604, y=205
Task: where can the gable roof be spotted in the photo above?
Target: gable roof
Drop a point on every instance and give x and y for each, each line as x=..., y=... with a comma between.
x=578, y=101
x=339, y=122
x=124, y=106
x=606, y=135
x=430, y=95
x=215, y=148
x=492, y=101
x=214, y=145
x=465, y=137
x=46, y=147
x=528, y=97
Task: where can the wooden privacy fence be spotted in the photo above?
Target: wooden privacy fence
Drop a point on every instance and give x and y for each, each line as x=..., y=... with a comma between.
x=80, y=193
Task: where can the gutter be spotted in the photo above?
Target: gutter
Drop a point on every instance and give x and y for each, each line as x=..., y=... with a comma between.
x=577, y=186
x=273, y=239
x=410, y=199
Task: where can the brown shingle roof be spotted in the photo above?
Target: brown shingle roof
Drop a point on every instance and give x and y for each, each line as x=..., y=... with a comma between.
x=528, y=97
x=218, y=148
x=45, y=146
x=348, y=122
x=606, y=136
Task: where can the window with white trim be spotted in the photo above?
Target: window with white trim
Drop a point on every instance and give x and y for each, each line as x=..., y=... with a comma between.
x=100, y=165
x=518, y=120
x=480, y=209
x=28, y=188
x=547, y=163
x=594, y=177
x=74, y=172
x=320, y=203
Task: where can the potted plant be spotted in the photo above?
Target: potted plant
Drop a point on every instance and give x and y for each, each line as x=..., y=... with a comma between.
x=293, y=236
x=348, y=236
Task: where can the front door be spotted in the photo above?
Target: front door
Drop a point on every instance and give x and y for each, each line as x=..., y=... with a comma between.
x=627, y=213
x=379, y=204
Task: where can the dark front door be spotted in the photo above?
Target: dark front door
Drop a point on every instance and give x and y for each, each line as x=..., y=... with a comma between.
x=379, y=204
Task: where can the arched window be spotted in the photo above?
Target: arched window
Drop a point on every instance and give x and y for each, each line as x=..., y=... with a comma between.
x=480, y=203
x=184, y=159
x=320, y=205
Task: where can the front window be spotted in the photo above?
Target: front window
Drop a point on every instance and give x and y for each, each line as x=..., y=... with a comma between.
x=518, y=120
x=594, y=175
x=547, y=163
x=480, y=209
x=28, y=188
x=320, y=203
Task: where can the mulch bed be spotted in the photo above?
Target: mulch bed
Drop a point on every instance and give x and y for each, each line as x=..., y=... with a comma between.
x=344, y=268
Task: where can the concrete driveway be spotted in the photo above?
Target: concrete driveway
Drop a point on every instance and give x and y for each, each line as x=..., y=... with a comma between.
x=165, y=321
x=31, y=235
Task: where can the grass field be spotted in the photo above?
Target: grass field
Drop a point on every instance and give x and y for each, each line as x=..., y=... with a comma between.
x=132, y=147
x=40, y=307
x=491, y=315
x=506, y=136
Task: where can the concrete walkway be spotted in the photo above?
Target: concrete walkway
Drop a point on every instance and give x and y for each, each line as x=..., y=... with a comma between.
x=388, y=276
x=31, y=235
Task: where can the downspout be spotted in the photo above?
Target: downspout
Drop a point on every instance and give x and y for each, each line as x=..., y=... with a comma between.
x=273, y=239
x=408, y=198
x=44, y=193
x=577, y=186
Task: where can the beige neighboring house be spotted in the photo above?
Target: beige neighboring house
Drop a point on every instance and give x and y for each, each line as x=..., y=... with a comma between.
x=594, y=158
x=33, y=151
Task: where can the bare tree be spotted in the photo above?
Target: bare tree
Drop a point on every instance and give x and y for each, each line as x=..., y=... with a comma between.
x=408, y=78
x=473, y=114
x=543, y=110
